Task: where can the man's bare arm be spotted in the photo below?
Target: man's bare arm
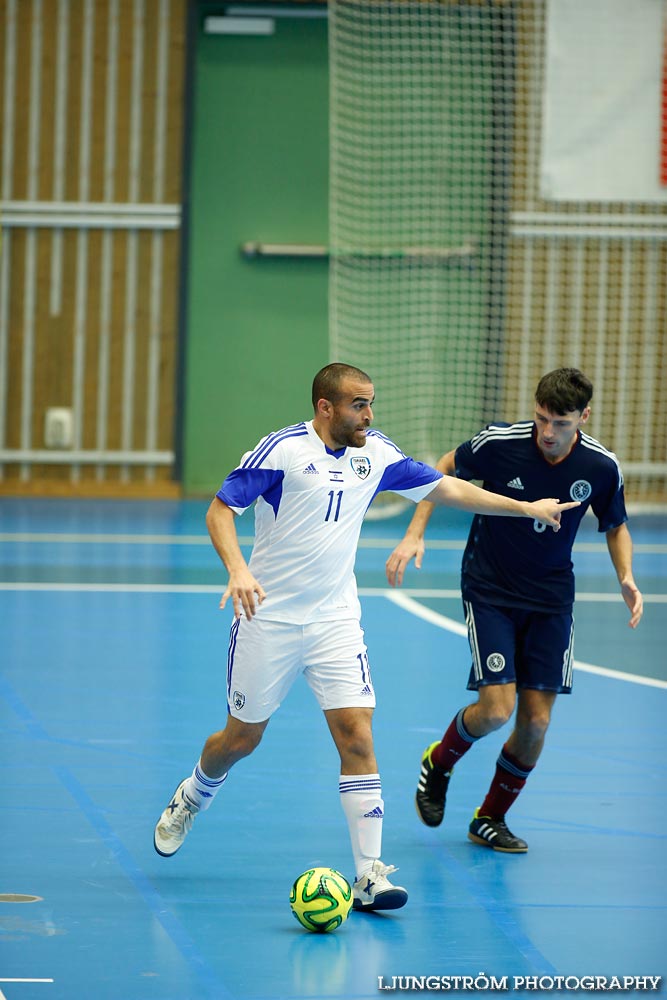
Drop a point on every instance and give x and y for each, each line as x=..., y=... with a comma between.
x=242, y=586
x=619, y=544
x=462, y=495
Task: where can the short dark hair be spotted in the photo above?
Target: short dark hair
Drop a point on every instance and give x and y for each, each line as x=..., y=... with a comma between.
x=564, y=390
x=326, y=384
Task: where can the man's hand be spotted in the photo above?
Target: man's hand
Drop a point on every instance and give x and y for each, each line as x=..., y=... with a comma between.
x=549, y=511
x=242, y=588
x=635, y=602
x=397, y=562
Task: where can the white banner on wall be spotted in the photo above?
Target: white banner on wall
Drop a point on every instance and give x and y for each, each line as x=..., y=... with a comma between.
x=604, y=132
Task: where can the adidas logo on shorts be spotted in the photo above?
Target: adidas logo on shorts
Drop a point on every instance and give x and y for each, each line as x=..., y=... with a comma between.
x=515, y=484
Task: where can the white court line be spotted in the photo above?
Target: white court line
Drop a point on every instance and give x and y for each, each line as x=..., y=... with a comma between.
x=404, y=599
x=2, y=995
x=118, y=588
x=441, y=621
x=213, y=588
x=69, y=538
x=590, y=596
x=93, y=538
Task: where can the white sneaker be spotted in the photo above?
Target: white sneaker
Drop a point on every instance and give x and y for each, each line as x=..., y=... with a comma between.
x=175, y=823
x=375, y=891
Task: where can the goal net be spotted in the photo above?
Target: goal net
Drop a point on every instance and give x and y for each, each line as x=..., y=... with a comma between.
x=457, y=275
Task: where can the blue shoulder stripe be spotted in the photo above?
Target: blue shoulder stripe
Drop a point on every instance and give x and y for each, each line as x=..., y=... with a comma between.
x=267, y=444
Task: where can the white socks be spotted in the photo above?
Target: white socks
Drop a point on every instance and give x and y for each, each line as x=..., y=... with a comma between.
x=361, y=799
x=360, y=796
x=200, y=789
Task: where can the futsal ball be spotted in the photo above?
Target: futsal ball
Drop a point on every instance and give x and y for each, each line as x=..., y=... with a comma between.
x=321, y=899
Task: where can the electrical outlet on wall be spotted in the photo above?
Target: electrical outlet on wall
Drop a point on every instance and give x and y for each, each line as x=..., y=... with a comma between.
x=58, y=427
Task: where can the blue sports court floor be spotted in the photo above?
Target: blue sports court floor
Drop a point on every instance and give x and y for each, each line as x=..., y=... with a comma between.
x=113, y=656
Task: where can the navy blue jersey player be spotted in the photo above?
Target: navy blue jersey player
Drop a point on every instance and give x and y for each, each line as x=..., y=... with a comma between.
x=517, y=584
x=296, y=609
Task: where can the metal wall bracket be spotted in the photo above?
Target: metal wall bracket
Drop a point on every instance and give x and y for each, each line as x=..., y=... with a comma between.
x=255, y=249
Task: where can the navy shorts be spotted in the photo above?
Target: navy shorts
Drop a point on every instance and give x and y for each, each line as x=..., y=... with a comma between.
x=531, y=649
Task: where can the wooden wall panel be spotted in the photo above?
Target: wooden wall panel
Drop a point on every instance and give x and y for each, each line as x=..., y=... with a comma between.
x=94, y=90
x=609, y=319
x=91, y=98
x=582, y=298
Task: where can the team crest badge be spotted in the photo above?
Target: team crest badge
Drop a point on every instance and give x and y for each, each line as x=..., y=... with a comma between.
x=361, y=466
x=581, y=490
x=495, y=662
x=239, y=700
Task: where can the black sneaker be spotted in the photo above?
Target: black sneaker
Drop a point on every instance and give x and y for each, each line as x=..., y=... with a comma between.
x=494, y=833
x=432, y=789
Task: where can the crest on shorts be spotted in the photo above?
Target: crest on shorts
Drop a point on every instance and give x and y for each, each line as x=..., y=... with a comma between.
x=581, y=490
x=495, y=662
x=361, y=466
x=239, y=700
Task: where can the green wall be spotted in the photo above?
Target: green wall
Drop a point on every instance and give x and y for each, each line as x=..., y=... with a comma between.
x=256, y=330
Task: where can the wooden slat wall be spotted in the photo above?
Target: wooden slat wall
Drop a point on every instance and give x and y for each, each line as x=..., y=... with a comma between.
x=91, y=98
x=91, y=93
x=586, y=299
x=610, y=320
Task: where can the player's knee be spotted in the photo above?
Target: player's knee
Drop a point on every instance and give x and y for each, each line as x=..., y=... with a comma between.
x=235, y=741
x=533, y=727
x=247, y=743
x=494, y=710
x=354, y=740
x=496, y=719
x=356, y=743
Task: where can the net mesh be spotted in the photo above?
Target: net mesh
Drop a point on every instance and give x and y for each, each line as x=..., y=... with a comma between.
x=453, y=283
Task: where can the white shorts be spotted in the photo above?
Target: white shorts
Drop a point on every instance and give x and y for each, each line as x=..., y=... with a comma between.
x=266, y=657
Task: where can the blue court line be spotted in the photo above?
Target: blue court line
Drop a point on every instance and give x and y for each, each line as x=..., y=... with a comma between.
x=601, y=831
x=499, y=913
x=146, y=891
x=21, y=710
x=605, y=907
x=34, y=731
x=124, y=859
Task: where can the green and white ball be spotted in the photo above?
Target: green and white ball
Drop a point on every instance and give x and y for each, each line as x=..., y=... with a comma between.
x=321, y=899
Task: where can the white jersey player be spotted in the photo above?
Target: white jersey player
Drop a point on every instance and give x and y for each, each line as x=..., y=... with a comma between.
x=310, y=504
x=296, y=610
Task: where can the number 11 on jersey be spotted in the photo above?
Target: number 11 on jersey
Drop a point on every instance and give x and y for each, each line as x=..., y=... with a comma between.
x=334, y=505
